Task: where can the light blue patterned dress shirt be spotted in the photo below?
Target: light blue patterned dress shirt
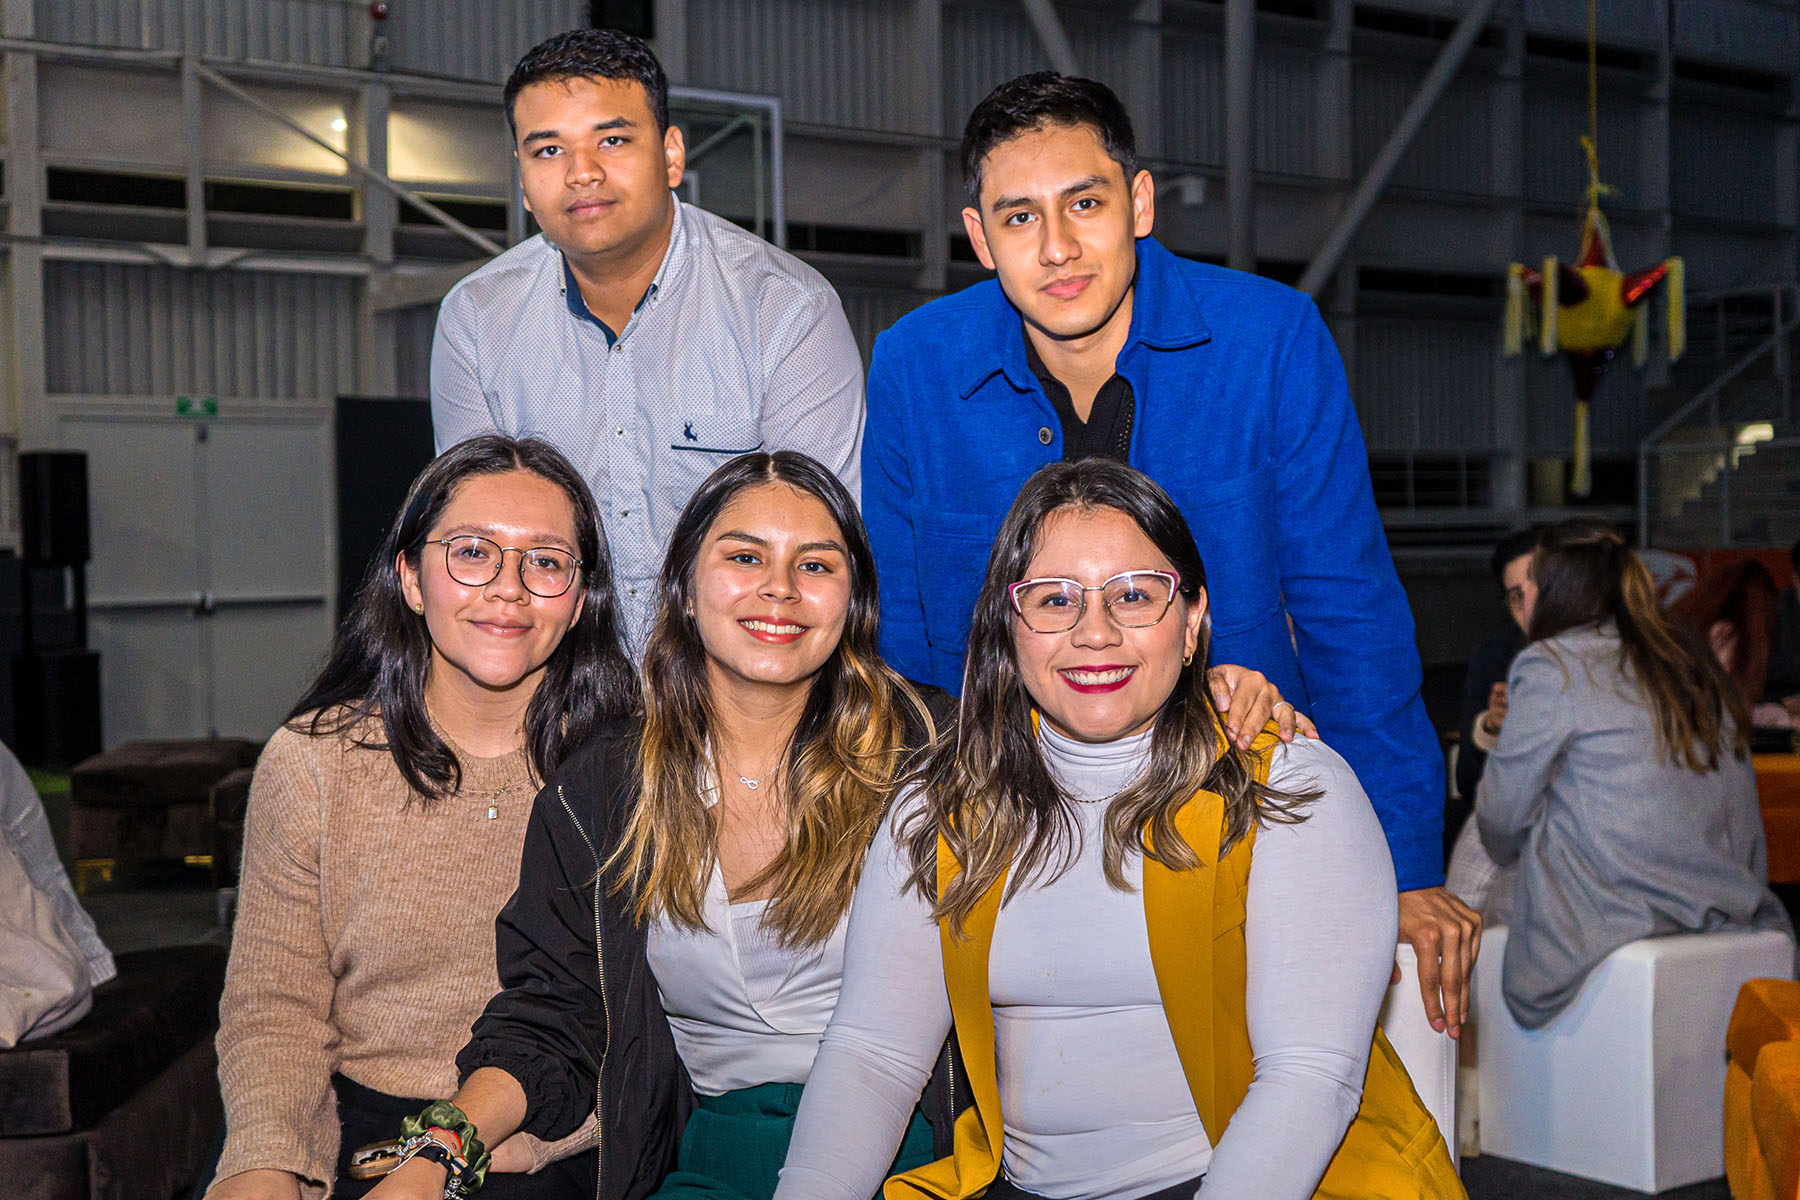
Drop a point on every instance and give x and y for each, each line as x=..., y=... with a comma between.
x=737, y=346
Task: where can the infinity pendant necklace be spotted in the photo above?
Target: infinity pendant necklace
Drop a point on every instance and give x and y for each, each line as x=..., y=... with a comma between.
x=748, y=782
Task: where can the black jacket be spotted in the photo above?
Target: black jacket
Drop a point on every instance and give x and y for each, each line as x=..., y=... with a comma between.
x=580, y=1023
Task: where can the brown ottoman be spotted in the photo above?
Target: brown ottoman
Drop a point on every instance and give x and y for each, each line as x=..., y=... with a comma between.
x=148, y=800
x=227, y=803
x=124, y=1104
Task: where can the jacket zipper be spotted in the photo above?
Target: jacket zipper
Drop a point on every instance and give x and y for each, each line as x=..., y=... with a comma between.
x=605, y=1009
x=950, y=1077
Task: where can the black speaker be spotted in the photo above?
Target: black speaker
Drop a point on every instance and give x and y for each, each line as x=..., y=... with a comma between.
x=636, y=17
x=53, y=507
x=57, y=718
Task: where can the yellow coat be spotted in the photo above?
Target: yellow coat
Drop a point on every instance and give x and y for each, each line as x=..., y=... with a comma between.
x=1392, y=1151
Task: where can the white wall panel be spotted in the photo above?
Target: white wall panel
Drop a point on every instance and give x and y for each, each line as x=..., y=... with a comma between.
x=1425, y=384
x=120, y=329
x=79, y=109
x=832, y=62
x=1450, y=152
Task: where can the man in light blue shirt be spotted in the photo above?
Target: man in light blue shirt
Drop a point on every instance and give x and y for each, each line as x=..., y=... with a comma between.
x=647, y=339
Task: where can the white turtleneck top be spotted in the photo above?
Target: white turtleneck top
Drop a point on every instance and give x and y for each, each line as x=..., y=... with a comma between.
x=1091, y=1091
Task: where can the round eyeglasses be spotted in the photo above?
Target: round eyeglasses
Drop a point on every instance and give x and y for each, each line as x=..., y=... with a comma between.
x=477, y=561
x=1133, y=599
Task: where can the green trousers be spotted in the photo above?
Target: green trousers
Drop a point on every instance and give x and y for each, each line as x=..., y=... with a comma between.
x=734, y=1145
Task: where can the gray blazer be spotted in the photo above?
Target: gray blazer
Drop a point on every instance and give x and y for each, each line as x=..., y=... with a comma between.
x=1613, y=843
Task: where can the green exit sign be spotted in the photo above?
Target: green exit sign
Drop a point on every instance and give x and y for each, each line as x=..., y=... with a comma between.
x=197, y=407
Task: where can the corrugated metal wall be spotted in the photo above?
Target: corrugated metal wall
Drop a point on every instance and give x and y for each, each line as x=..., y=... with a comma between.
x=467, y=39
x=1722, y=164
x=474, y=39
x=984, y=45
x=1615, y=419
x=1451, y=150
x=1193, y=96
x=118, y=329
x=323, y=32
x=871, y=310
x=1425, y=384
x=1556, y=120
x=832, y=62
x=413, y=328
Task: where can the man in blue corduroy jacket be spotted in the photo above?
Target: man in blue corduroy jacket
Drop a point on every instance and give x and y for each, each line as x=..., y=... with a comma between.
x=1224, y=387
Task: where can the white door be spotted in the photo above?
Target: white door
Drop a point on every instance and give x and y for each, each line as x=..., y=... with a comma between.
x=209, y=590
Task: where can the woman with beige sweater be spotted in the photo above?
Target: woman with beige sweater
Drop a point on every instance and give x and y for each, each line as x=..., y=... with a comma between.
x=387, y=818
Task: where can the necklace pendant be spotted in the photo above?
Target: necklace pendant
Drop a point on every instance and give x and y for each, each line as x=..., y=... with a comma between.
x=493, y=812
x=752, y=784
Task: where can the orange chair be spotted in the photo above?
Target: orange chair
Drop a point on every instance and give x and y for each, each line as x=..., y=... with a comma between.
x=1762, y=1092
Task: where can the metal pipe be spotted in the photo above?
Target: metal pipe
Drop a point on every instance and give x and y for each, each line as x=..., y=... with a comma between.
x=777, y=179
x=1240, y=134
x=713, y=140
x=1643, y=497
x=1362, y=201
x=1051, y=34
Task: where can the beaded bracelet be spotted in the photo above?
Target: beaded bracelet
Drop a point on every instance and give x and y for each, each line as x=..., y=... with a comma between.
x=455, y=1166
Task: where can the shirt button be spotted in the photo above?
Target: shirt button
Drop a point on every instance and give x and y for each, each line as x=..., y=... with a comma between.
x=631, y=591
x=1044, y=435
x=618, y=347
x=624, y=512
x=620, y=432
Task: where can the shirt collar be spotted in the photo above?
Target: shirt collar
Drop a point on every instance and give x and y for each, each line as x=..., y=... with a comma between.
x=674, y=260
x=1164, y=316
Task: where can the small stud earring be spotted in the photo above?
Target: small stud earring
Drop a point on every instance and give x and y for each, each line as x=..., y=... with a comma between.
x=419, y=608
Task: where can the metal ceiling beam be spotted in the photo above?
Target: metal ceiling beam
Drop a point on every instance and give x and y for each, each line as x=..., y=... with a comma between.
x=1362, y=201
x=1051, y=33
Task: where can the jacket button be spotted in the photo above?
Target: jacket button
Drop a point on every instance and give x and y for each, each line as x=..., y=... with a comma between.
x=1044, y=435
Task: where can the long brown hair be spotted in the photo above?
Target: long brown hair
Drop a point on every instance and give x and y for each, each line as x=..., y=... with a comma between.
x=1586, y=575
x=850, y=746
x=988, y=792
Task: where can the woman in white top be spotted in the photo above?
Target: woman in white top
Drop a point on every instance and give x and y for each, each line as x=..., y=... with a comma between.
x=772, y=736
x=1078, y=857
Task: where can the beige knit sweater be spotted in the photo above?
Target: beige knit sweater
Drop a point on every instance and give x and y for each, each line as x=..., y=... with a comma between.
x=364, y=941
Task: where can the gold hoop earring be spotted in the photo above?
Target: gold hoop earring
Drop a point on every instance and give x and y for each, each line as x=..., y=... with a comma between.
x=1187, y=660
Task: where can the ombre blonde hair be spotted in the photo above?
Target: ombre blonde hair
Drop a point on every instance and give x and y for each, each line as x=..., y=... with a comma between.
x=854, y=739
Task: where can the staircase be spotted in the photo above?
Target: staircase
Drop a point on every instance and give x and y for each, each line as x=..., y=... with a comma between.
x=1724, y=468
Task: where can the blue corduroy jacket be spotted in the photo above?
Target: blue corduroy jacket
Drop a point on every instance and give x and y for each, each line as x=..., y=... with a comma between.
x=1244, y=416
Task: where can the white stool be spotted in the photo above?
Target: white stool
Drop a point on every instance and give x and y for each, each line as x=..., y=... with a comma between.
x=1626, y=1085
x=1429, y=1056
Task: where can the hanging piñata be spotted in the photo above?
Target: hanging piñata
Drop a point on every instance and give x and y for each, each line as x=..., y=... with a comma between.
x=1587, y=310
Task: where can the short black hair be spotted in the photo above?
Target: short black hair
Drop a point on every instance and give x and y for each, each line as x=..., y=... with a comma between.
x=1042, y=98
x=591, y=54
x=1516, y=544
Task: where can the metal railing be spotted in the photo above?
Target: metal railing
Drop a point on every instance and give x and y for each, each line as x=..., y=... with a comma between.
x=1746, y=335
